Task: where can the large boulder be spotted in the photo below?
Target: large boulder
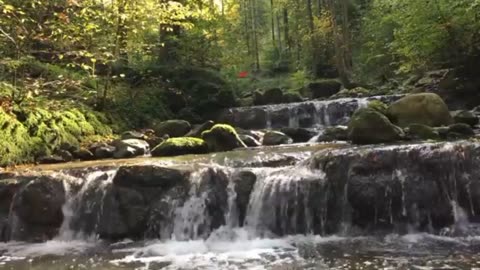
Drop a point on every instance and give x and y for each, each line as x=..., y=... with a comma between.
x=222, y=137
x=172, y=128
x=368, y=126
x=131, y=148
x=324, y=89
x=424, y=108
x=466, y=117
x=276, y=138
x=180, y=146
x=38, y=207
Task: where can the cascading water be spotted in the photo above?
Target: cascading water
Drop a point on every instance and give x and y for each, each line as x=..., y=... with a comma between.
x=315, y=114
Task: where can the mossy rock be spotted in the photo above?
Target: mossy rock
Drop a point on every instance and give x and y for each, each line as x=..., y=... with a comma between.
x=180, y=146
x=378, y=106
x=424, y=108
x=337, y=133
x=292, y=97
x=422, y=132
x=222, y=137
x=368, y=126
x=172, y=128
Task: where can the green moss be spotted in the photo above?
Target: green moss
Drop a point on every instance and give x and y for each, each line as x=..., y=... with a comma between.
x=180, y=146
x=378, y=106
x=222, y=137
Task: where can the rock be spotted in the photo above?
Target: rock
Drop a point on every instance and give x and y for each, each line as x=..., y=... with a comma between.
x=172, y=128
x=378, y=106
x=104, y=152
x=83, y=154
x=222, y=137
x=299, y=135
x=276, y=138
x=131, y=148
x=292, y=97
x=352, y=93
x=243, y=182
x=132, y=135
x=197, y=131
x=247, y=118
x=324, y=89
x=273, y=96
x=51, y=159
x=149, y=176
x=368, y=126
x=65, y=154
x=466, y=117
x=38, y=205
x=180, y=146
x=93, y=147
x=270, y=96
x=337, y=133
x=154, y=141
x=425, y=108
x=422, y=132
x=249, y=140
x=460, y=131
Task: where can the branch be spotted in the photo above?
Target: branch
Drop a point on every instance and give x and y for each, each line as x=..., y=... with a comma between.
x=8, y=37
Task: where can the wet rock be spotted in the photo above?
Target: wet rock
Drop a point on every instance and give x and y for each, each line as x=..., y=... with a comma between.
x=66, y=155
x=276, y=138
x=222, y=137
x=132, y=135
x=243, y=186
x=401, y=186
x=324, y=89
x=249, y=141
x=197, y=130
x=131, y=148
x=378, y=106
x=422, y=132
x=299, y=135
x=465, y=117
x=83, y=154
x=172, y=128
x=148, y=176
x=38, y=207
x=180, y=146
x=368, y=126
x=51, y=159
x=337, y=133
x=459, y=131
x=104, y=152
x=425, y=108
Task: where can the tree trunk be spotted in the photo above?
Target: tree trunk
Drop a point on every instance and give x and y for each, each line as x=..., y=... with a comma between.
x=255, y=34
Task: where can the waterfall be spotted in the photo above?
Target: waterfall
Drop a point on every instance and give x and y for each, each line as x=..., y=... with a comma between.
x=79, y=203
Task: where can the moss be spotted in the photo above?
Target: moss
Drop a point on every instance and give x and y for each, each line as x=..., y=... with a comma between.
x=423, y=132
x=368, y=126
x=378, y=106
x=222, y=137
x=180, y=146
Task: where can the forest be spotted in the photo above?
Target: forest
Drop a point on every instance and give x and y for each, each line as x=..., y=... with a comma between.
x=79, y=71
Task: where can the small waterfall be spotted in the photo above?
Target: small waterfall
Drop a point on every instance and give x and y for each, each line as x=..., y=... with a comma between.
x=286, y=201
x=79, y=203
x=316, y=114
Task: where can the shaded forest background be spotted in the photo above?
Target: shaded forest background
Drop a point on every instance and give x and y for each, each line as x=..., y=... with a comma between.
x=73, y=71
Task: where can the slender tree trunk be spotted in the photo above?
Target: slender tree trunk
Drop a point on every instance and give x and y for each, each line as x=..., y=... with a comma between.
x=272, y=14
x=279, y=33
x=311, y=33
x=255, y=34
x=288, y=43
